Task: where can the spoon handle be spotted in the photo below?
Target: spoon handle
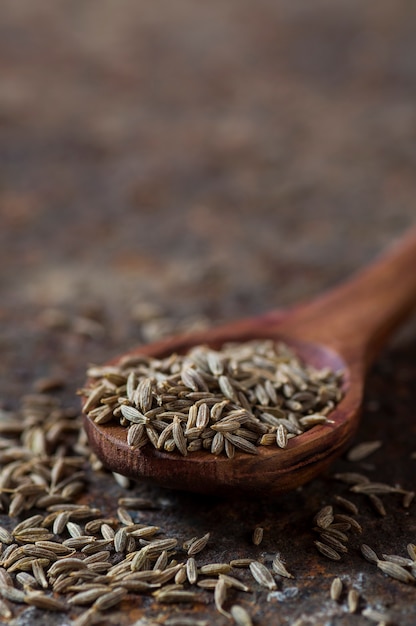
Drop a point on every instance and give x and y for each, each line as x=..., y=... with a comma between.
x=357, y=317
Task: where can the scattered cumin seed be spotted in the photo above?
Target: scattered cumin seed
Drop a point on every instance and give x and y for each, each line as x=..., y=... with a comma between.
x=396, y=571
x=215, y=568
x=241, y=562
x=411, y=550
x=353, y=599
x=377, y=504
x=258, y=535
x=220, y=596
x=341, y=517
x=327, y=551
x=368, y=553
x=363, y=450
x=336, y=589
x=240, y=616
x=279, y=567
x=398, y=560
x=262, y=575
x=47, y=603
x=372, y=488
x=110, y=599
x=352, y=478
x=349, y=506
x=376, y=616
x=174, y=597
x=325, y=517
x=198, y=545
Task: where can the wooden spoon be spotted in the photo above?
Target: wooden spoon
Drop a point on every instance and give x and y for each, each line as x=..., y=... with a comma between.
x=342, y=329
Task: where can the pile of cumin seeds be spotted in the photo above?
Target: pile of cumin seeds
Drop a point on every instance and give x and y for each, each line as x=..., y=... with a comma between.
x=58, y=553
x=234, y=399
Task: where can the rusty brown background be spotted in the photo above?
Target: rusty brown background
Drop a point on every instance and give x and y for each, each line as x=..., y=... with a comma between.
x=214, y=159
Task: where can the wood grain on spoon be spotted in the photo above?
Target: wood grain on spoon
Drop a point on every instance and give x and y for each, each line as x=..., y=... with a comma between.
x=342, y=329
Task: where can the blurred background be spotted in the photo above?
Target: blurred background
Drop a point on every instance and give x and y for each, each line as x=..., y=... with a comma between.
x=166, y=165
x=197, y=160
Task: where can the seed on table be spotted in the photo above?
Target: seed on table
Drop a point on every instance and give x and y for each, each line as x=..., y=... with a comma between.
x=376, y=616
x=25, y=564
x=5, y=536
x=342, y=527
x=234, y=582
x=325, y=517
x=279, y=567
x=336, y=589
x=262, y=575
x=145, y=532
x=5, y=611
x=198, y=545
x=47, y=603
x=215, y=568
x=17, y=505
x=104, y=555
x=327, y=551
x=329, y=539
x=220, y=596
x=174, y=597
x=411, y=550
x=110, y=599
x=39, y=573
x=13, y=594
x=258, y=535
x=396, y=571
x=137, y=503
x=79, y=543
x=29, y=522
x=353, y=599
x=399, y=560
x=87, y=597
x=352, y=478
x=346, y=504
x=377, y=505
x=368, y=553
x=120, y=539
x=191, y=570
x=66, y=565
x=88, y=618
x=5, y=579
x=107, y=532
x=363, y=450
x=241, y=562
x=180, y=576
x=354, y=525
x=374, y=488
x=121, y=480
x=124, y=516
x=185, y=621
x=207, y=583
x=57, y=548
x=27, y=580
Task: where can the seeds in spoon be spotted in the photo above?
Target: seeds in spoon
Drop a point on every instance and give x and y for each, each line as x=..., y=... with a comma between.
x=228, y=401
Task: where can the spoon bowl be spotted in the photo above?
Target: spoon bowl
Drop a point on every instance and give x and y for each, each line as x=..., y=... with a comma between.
x=343, y=330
